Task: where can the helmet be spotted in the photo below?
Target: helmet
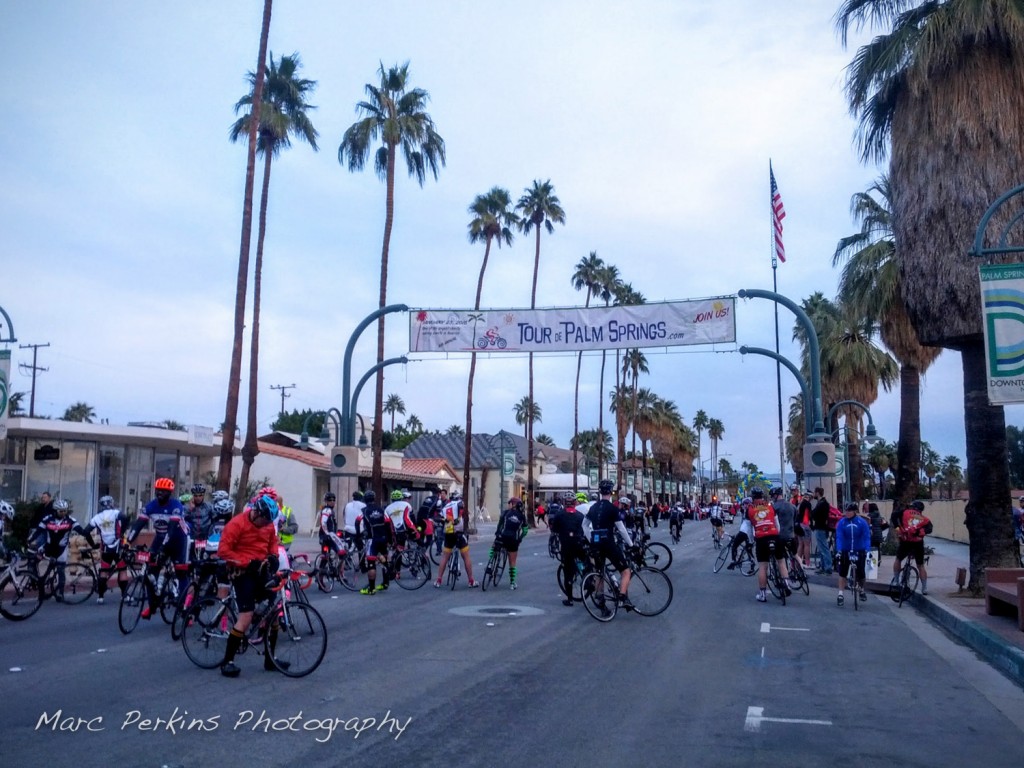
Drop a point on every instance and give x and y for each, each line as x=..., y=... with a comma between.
x=185, y=498
x=220, y=496
x=329, y=496
x=593, y=496
x=223, y=508
x=455, y=495
x=357, y=495
x=396, y=495
x=369, y=497
x=516, y=503
x=851, y=506
x=265, y=507
x=198, y=489
x=61, y=505
x=163, y=484
x=794, y=487
x=918, y=505
x=268, y=490
x=605, y=487
x=6, y=510
x=625, y=501
x=757, y=492
x=406, y=495
x=106, y=502
x=581, y=497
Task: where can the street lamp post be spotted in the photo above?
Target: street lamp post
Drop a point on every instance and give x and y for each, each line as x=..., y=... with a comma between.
x=870, y=438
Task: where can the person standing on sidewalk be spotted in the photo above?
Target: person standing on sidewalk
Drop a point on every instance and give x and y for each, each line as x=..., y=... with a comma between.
x=911, y=530
x=819, y=525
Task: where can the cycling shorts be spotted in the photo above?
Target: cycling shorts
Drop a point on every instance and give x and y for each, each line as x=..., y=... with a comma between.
x=913, y=549
x=611, y=552
x=249, y=589
x=762, y=548
x=455, y=541
x=844, y=563
x=717, y=522
x=508, y=543
x=378, y=550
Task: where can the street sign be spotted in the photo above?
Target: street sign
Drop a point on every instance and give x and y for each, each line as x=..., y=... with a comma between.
x=508, y=463
x=841, y=463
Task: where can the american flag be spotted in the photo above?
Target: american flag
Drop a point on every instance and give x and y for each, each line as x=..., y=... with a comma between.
x=778, y=214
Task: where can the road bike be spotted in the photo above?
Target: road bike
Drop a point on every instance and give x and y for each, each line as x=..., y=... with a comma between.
x=855, y=585
x=23, y=587
x=554, y=547
x=330, y=567
x=649, y=594
x=411, y=567
x=495, y=569
x=745, y=561
x=776, y=584
x=296, y=648
x=904, y=584
x=20, y=592
x=454, y=567
x=796, y=572
x=135, y=597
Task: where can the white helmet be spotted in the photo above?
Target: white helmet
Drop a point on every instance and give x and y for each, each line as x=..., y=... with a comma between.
x=6, y=510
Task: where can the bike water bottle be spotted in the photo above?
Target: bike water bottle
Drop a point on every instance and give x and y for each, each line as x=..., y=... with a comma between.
x=160, y=582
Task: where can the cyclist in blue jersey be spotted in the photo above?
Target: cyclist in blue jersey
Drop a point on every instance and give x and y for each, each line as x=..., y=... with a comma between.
x=170, y=538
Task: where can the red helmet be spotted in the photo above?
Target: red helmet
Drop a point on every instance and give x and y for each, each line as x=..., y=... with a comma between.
x=163, y=484
x=267, y=490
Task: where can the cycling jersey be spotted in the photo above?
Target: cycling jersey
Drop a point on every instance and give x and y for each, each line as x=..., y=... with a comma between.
x=511, y=524
x=328, y=521
x=352, y=512
x=109, y=523
x=912, y=526
x=451, y=514
x=853, y=534
x=200, y=520
x=400, y=514
x=242, y=542
x=762, y=516
x=54, y=533
x=168, y=521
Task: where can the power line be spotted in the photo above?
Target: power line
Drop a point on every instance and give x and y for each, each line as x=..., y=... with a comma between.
x=34, y=368
x=284, y=389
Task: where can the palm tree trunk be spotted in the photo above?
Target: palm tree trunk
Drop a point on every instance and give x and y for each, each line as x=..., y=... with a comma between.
x=377, y=435
x=250, y=449
x=530, y=507
x=600, y=427
x=227, y=445
x=472, y=375
x=989, y=522
x=576, y=426
x=908, y=450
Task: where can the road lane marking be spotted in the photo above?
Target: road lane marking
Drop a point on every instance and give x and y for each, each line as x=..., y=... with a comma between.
x=766, y=628
x=755, y=716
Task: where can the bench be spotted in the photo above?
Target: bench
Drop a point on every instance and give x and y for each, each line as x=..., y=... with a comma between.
x=1005, y=586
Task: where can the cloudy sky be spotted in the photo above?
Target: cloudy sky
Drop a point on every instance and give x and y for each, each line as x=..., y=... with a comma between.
x=121, y=197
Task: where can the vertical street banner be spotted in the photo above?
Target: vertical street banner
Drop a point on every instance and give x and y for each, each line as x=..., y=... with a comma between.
x=574, y=329
x=5, y=390
x=1002, y=320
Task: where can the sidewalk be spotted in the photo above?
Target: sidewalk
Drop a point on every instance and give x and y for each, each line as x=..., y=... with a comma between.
x=997, y=639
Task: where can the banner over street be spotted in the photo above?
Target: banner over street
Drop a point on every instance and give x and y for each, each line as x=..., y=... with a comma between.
x=574, y=329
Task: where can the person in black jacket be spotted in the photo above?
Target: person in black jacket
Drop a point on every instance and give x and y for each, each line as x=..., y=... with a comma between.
x=878, y=528
x=819, y=524
x=568, y=526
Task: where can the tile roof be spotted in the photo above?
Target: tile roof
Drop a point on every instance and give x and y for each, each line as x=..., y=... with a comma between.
x=310, y=458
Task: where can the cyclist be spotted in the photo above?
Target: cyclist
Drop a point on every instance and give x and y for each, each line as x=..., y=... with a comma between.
x=853, y=539
x=598, y=525
x=52, y=536
x=287, y=525
x=766, y=532
x=353, y=510
x=511, y=529
x=170, y=539
x=399, y=511
x=675, y=520
x=911, y=528
x=803, y=528
x=328, y=535
x=199, y=515
x=568, y=526
x=584, y=506
x=746, y=533
x=110, y=522
x=249, y=545
x=450, y=516
x=785, y=513
x=425, y=519
x=375, y=524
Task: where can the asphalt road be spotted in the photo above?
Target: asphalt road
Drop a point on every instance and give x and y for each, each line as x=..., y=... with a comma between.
x=409, y=679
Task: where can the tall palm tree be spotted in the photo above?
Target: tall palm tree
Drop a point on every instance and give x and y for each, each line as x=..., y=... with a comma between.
x=951, y=58
x=951, y=474
x=455, y=430
x=716, y=429
x=608, y=285
x=700, y=423
x=624, y=295
x=394, y=404
x=413, y=424
x=527, y=412
x=587, y=276
x=545, y=439
x=283, y=114
x=230, y=424
x=797, y=436
x=620, y=403
x=871, y=284
x=395, y=114
x=82, y=412
x=14, y=404
x=492, y=219
x=634, y=362
x=539, y=206
x=931, y=463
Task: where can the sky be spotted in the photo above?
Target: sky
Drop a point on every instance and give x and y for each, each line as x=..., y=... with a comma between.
x=121, y=200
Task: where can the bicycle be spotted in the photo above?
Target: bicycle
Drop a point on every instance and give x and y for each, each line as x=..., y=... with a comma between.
x=654, y=555
x=582, y=568
x=135, y=598
x=411, y=567
x=674, y=532
x=554, y=547
x=904, y=584
x=496, y=565
x=796, y=572
x=330, y=567
x=454, y=568
x=20, y=591
x=301, y=637
x=79, y=580
x=716, y=535
x=650, y=593
x=776, y=584
x=856, y=585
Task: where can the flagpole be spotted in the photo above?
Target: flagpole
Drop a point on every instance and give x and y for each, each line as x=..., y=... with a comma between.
x=778, y=365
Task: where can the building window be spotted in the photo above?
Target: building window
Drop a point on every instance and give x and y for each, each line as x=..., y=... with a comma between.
x=166, y=464
x=14, y=451
x=112, y=468
x=10, y=483
x=42, y=471
x=78, y=477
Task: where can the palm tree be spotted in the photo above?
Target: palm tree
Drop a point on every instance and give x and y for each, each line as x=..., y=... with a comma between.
x=624, y=294
x=413, y=424
x=545, y=439
x=455, y=430
x=871, y=283
x=527, y=412
x=634, y=362
x=951, y=474
x=396, y=114
x=492, y=221
x=82, y=412
x=394, y=404
x=283, y=113
x=14, y=404
x=177, y=426
x=539, y=206
x=608, y=285
x=593, y=443
x=930, y=464
x=230, y=424
x=947, y=58
x=878, y=458
x=716, y=429
x=700, y=423
x=587, y=276
x=797, y=436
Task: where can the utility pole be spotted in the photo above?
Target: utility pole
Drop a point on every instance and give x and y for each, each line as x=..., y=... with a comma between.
x=284, y=389
x=34, y=368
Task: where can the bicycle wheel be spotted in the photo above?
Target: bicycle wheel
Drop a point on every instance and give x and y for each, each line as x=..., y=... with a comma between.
x=415, y=570
x=659, y=556
x=324, y=573
x=133, y=599
x=348, y=572
x=434, y=548
x=599, y=597
x=301, y=639
x=453, y=568
x=204, y=635
x=650, y=591
x=723, y=555
x=169, y=599
x=775, y=581
x=20, y=594
x=554, y=547
x=300, y=564
x=715, y=540
x=178, y=621
x=909, y=578
x=79, y=583
x=747, y=563
x=796, y=571
x=576, y=586
x=488, y=578
x=501, y=561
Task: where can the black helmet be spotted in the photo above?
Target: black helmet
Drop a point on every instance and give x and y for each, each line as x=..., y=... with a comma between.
x=357, y=495
x=775, y=491
x=918, y=505
x=329, y=496
x=757, y=492
x=369, y=497
x=605, y=487
x=198, y=489
x=851, y=506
